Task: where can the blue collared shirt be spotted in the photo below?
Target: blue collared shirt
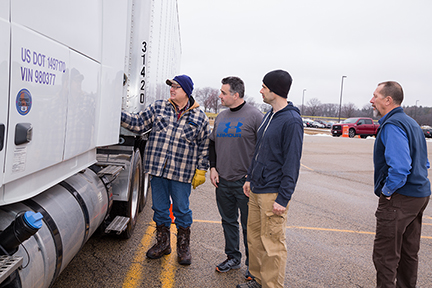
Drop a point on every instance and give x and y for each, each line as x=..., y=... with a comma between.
x=397, y=155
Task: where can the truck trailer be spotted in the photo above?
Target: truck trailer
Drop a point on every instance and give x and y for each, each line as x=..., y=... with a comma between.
x=68, y=169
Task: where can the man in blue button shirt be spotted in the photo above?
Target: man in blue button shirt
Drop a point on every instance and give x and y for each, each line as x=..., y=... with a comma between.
x=401, y=181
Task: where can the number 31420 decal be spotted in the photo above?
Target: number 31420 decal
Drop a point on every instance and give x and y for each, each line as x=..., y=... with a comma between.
x=143, y=71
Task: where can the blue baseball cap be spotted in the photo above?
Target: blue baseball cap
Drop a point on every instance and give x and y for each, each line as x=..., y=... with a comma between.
x=184, y=81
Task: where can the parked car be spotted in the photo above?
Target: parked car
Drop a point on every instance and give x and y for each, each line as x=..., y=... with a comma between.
x=356, y=126
x=330, y=124
x=316, y=124
x=308, y=122
x=324, y=123
x=427, y=131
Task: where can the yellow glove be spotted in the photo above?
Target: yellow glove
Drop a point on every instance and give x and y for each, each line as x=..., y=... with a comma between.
x=199, y=178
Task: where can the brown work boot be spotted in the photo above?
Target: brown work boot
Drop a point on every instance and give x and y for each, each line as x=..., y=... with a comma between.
x=163, y=245
x=183, y=249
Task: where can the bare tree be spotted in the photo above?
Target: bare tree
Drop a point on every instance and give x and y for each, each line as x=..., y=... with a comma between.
x=349, y=110
x=212, y=100
x=423, y=115
x=367, y=111
x=264, y=107
x=330, y=110
x=199, y=96
x=208, y=98
x=313, y=107
x=250, y=101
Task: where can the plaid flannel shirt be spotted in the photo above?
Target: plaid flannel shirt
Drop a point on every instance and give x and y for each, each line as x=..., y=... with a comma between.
x=175, y=148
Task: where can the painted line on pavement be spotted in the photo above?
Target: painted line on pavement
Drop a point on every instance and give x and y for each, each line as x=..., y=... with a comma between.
x=134, y=276
x=169, y=262
x=316, y=228
x=306, y=167
x=330, y=229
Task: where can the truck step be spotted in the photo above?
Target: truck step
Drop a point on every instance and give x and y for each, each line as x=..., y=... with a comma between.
x=8, y=264
x=118, y=225
x=113, y=170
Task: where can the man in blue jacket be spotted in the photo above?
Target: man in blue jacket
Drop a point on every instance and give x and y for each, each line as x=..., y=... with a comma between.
x=271, y=181
x=401, y=182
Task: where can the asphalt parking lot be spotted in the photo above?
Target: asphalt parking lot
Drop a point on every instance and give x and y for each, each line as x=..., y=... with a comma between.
x=330, y=232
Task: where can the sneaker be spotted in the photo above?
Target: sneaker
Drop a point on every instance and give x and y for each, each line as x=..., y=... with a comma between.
x=248, y=276
x=250, y=284
x=228, y=264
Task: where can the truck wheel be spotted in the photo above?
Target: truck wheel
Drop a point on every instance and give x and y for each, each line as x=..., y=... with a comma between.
x=131, y=207
x=351, y=133
x=144, y=191
x=145, y=188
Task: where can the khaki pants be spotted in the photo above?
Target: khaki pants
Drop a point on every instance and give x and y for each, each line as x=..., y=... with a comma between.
x=266, y=240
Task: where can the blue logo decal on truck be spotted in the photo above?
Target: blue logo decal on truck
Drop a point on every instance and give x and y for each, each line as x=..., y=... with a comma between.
x=23, y=102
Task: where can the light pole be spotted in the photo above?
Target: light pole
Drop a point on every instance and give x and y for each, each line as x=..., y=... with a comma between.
x=340, y=101
x=302, y=112
x=415, y=111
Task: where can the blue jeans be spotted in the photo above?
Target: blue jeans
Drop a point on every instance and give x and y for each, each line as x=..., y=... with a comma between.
x=162, y=189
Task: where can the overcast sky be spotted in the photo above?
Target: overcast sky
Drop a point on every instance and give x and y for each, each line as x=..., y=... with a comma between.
x=316, y=41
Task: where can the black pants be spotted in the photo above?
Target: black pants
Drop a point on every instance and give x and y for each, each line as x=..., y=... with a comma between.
x=397, y=240
x=230, y=199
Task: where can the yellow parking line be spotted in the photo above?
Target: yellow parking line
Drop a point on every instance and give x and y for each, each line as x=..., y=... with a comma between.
x=134, y=275
x=307, y=167
x=168, y=263
x=300, y=227
x=341, y=230
x=315, y=228
x=329, y=229
x=207, y=221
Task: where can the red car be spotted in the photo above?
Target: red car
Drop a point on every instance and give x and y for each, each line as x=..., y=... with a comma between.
x=362, y=126
x=427, y=131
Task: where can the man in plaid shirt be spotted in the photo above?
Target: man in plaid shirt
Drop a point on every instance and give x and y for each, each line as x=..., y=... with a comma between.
x=176, y=155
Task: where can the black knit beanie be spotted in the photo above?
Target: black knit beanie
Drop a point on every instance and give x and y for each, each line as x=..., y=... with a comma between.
x=279, y=82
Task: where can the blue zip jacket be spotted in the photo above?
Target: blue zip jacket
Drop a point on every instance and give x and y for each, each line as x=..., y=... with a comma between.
x=400, y=157
x=276, y=162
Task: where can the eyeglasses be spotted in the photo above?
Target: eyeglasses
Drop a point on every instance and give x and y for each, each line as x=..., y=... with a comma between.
x=175, y=87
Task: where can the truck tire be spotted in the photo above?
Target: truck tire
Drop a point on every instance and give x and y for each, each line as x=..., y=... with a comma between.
x=131, y=207
x=144, y=191
x=145, y=187
x=351, y=133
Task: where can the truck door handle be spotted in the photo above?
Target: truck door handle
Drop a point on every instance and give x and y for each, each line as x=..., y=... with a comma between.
x=2, y=132
x=23, y=133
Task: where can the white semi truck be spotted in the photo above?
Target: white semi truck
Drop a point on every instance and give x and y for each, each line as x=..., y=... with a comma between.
x=67, y=169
